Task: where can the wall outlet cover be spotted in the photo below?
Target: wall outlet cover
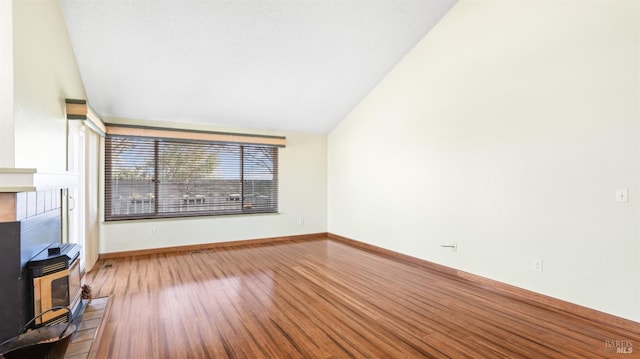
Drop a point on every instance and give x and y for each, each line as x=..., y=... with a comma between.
x=536, y=265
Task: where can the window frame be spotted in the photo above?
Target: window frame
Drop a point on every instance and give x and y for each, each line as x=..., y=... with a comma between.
x=156, y=199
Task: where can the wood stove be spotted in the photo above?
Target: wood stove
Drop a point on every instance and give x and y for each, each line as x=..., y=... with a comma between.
x=55, y=274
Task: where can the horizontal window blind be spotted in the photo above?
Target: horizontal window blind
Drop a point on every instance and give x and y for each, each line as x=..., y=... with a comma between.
x=158, y=177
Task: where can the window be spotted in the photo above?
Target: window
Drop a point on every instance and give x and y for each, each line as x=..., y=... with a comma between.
x=162, y=177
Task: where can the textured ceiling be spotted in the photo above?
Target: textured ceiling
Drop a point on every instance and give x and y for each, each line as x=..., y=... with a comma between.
x=286, y=65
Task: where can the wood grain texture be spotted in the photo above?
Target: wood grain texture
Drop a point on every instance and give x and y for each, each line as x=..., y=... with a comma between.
x=324, y=299
x=76, y=107
x=88, y=331
x=502, y=288
x=104, y=310
x=205, y=246
x=8, y=207
x=197, y=135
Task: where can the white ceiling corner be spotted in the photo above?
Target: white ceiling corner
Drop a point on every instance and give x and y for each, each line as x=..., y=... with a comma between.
x=284, y=65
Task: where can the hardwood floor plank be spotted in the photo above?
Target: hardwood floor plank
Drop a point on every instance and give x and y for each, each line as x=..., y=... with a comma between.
x=323, y=299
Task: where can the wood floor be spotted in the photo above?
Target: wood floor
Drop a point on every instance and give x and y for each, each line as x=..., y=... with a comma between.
x=325, y=299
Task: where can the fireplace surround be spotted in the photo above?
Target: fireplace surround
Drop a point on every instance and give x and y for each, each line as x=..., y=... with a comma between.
x=37, y=224
x=31, y=219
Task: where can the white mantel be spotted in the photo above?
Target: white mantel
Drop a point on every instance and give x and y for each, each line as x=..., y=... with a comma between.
x=33, y=180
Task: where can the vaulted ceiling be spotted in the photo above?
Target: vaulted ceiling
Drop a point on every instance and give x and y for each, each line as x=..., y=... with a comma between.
x=285, y=65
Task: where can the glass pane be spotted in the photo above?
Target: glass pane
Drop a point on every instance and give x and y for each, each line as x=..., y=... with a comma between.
x=131, y=187
x=74, y=281
x=260, y=187
x=198, y=177
x=60, y=292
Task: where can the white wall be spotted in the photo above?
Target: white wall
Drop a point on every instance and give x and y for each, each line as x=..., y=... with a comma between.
x=45, y=73
x=7, y=150
x=506, y=130
x=302, y=194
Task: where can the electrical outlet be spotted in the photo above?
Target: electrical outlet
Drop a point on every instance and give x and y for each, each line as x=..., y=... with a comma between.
x=301, y=220
x=622, y=195
x=536, y=265
x=152, y=231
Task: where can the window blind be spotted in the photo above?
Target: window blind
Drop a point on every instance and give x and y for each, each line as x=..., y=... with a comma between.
x=159, y=177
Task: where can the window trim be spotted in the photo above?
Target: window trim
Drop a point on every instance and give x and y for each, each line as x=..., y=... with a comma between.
x=195, y=135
